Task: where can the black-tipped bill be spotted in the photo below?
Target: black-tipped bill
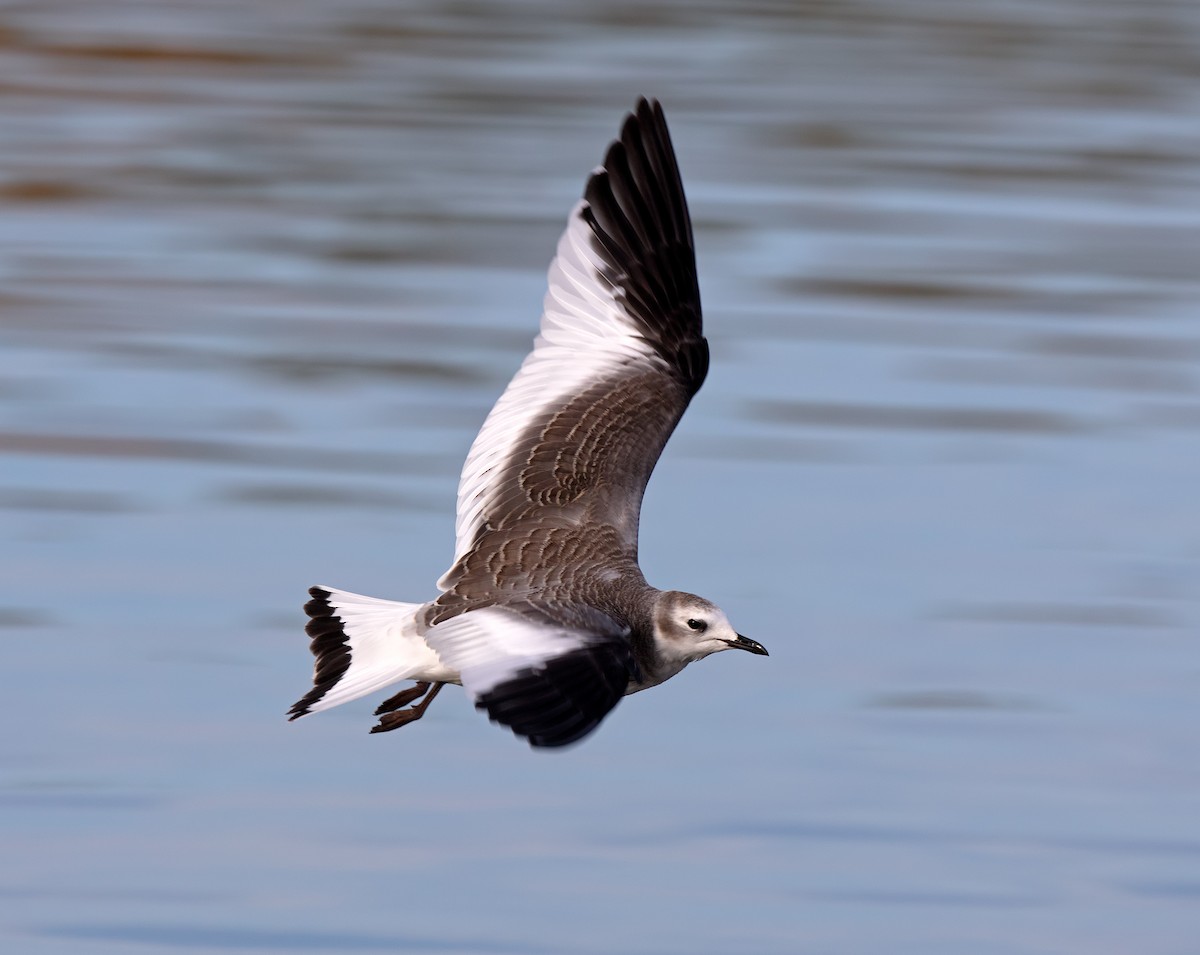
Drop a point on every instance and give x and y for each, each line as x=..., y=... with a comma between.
x=745, y=643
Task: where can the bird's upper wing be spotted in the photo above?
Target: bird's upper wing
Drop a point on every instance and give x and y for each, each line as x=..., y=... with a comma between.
x=547, y=681
x=620, y=354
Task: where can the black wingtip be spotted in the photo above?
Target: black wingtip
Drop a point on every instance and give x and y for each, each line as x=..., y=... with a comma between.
x=641, y=229
x=647, y=109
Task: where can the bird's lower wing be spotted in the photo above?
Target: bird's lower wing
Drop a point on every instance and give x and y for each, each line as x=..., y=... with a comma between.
x=546, y=681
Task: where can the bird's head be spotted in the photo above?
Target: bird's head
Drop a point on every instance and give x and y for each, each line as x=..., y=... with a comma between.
x=688, y=628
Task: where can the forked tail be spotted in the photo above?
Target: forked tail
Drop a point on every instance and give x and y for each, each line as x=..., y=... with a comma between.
x=361, y=644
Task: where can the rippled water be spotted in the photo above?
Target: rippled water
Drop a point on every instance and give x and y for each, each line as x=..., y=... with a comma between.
x=264, y=268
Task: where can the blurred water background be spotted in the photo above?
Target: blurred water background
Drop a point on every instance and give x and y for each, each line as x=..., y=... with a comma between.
x=264, y=267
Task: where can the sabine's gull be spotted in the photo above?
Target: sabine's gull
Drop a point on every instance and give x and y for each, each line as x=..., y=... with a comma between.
x=544, y=616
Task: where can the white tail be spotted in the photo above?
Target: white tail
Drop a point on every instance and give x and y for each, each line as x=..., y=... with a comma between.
x=362, y=644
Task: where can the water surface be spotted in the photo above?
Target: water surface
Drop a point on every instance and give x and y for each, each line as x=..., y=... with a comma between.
x=263, y=270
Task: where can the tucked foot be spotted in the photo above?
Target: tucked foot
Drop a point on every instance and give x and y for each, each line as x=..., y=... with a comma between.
x=402, y=698
x=394, y=720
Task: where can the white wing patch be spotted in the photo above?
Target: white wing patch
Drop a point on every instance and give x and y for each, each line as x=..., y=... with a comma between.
x=492, y=645
x=584, y=335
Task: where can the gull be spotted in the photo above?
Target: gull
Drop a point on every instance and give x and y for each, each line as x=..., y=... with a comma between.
x=544, y=617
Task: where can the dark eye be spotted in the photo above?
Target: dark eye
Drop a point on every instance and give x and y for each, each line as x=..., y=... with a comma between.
x=698, y=625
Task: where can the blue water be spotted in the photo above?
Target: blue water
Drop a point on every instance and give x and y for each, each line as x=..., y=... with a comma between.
x=263, y=270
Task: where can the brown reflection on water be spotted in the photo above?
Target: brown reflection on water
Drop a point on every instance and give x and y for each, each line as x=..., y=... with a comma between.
x=951, y=700
x=1116, y=615
x=19, y=618
x=1043, y=373
x=68, y=502
x=213, y=452
x=310, y=495
x=914, y=291
x=42, y=191
x=894, y=418
x=1129, y=347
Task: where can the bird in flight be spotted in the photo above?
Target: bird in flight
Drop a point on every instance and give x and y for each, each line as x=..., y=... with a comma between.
x=544, y=616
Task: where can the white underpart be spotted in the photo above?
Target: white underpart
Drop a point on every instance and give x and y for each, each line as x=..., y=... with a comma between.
x=491, y=645
x=585, y=334
x=385, y=648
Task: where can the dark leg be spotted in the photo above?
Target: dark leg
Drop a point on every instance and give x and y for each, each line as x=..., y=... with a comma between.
x=401, y=698
x=392, y=721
